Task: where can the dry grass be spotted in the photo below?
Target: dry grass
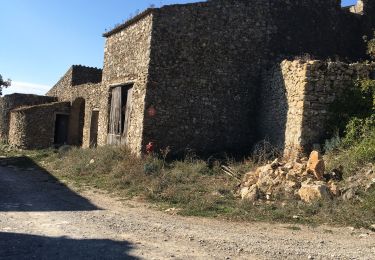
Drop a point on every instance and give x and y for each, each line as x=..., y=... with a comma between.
x=194, y=186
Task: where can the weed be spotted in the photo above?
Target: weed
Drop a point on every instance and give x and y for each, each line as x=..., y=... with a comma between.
x=328, y=231
x=294, y=228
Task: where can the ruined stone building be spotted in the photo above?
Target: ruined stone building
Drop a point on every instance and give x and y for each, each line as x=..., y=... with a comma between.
x=210, y=76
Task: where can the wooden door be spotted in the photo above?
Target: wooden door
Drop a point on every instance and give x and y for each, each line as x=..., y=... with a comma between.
x=127, y=116
x=119, y=117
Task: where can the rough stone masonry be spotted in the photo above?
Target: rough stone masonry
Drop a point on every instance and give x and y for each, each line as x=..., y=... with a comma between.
x=216, y=76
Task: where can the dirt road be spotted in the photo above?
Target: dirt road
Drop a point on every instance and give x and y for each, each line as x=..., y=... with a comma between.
x=41, y=218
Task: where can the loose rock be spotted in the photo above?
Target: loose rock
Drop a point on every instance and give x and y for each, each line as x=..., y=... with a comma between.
x=312, y=192
x=304, y=179
x=316, y=165
x=251, y=193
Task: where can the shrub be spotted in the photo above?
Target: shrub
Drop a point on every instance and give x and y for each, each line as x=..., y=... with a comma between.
x=357, y=101
x=358, y=129
x=333, y=143
x=371, y=47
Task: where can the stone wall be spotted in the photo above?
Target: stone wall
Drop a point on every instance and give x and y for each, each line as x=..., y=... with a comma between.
x=319, y=28
x=357, y=8
x=204, y=69
x=326, y=82
x=9, y=102
x=126, y=61
x=76, y=75
x=84, y=98
x=86, y=75
x=296, y=99
x=207, y=59
x=281, y=105
x=196, y=71
x=33, y=127
x=369, y=17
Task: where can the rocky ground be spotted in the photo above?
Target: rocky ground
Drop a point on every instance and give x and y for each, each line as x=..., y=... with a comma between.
x=41, y=218
x=304, y=179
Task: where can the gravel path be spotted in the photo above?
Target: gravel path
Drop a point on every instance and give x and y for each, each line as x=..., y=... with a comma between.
x=40, y=218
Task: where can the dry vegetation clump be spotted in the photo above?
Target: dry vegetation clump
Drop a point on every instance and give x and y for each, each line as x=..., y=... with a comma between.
x=191, y=184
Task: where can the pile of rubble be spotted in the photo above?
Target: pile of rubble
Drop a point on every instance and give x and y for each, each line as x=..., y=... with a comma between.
x=305, y=179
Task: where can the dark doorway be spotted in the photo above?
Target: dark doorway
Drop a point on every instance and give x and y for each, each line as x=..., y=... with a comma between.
x=94, y=128
x=77, y=121
x=61, y=129
x=120, y=108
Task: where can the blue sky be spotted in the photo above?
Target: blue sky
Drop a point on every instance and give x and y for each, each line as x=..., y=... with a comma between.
x=41, y=39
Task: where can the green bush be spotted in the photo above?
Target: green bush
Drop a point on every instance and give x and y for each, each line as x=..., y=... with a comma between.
x=358, y=129
x=353, y=121
x=333, y=143
x=357, y=101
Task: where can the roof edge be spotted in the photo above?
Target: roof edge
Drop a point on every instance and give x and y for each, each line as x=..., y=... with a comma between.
x=129, y=22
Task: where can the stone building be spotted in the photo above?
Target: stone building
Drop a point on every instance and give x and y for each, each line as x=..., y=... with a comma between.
x=210, y=76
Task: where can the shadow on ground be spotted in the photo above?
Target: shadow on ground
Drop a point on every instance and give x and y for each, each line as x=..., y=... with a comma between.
x=24, y=186
x=22, y=246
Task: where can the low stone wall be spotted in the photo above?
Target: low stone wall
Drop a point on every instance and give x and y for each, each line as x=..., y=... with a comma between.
x=326, y=82
x=33, y=127
x=84, y=99
x=295, y=101
x=10, y=102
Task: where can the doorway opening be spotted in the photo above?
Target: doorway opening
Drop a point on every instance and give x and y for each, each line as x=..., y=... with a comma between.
x=119, y=115
x=94, y=128
x=77, y=121
x=61, y=129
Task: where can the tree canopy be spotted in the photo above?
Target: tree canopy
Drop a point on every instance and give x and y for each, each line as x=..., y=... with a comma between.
x=4, y=84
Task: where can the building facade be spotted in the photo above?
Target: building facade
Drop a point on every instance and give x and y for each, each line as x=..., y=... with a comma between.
x=215, y=76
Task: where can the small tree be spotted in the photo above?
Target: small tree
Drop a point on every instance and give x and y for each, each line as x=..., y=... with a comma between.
x=4, y=84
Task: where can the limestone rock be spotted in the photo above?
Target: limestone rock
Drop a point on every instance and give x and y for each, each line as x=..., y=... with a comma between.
x=299, y=168
x=334, y=189
x=250, y=193
x=275, y=164
x=349, y=194
x=313, y=192
x=265, y=183
x=303, y=179
x=370, y=185
x=250, y=178
x=316, y=165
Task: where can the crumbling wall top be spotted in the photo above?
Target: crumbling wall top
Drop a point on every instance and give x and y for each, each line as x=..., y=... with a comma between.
x=83, y=74
x=129, y=22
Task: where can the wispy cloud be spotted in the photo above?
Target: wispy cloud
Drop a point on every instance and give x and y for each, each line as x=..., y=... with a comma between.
x=26, y=88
